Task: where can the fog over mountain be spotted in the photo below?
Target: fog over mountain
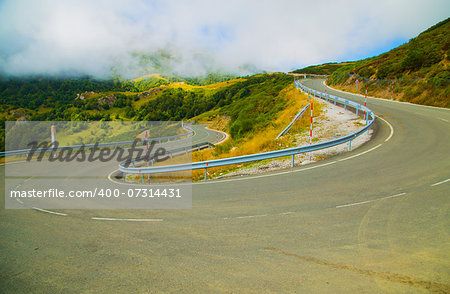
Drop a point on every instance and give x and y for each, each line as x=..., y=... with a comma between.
x=136, y=37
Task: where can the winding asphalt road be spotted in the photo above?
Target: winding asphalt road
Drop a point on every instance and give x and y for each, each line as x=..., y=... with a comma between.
x=374, y=220
x=91, y=175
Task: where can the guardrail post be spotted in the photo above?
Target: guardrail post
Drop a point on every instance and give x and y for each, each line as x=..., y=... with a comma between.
x=349, y=145
x=345, y=105
x=357, y=107
x=124, y=177
x=292, y=163
x=143, y=179
x=206, y=172
x=335, y=100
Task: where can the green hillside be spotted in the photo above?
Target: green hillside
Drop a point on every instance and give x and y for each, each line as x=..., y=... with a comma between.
x=322, y=69
x=417, y=71
x=249, y=103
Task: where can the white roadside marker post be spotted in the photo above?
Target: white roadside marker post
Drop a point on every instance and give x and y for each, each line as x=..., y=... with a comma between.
x=365, y=104
x=311, y=128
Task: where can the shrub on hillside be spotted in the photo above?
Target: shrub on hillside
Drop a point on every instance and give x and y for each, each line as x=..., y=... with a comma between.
x=421, y=54
x=441, y=80
x=366, y=72
x=240, y=128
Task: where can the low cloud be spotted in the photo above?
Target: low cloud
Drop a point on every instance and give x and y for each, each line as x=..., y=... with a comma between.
x=138, y=37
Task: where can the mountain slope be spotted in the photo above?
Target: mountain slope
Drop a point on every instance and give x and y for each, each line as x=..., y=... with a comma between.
x=416, y=72
x=322, y=69
x=249, y=103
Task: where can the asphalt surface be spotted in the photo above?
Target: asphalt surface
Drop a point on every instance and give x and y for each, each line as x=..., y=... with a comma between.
x=374, y=220
x=103, y=175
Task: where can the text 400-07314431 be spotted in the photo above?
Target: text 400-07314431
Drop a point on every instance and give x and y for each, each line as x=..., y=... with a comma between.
x=154, y=193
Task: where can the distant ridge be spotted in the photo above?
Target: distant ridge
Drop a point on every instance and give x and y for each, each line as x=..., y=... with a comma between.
x=416, y=72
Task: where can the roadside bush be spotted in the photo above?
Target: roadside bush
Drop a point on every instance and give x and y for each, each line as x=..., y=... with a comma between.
x=240, y=128
x=421, y=54
x=384, y=70
x=366, y=72
x=441, y=80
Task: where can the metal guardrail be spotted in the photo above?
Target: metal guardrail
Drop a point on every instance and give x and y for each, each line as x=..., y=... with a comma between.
x=286, y=129
x=171, y=153
x=337, y=100
x=368, y=115
x=98, y=145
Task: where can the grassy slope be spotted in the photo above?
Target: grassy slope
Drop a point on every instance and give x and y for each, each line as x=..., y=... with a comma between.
x=322, y=69
x=418, y=70
x=253, y=109
x=289, y=100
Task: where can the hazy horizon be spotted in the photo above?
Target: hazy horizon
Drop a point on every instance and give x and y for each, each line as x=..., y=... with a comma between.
x=132, y=38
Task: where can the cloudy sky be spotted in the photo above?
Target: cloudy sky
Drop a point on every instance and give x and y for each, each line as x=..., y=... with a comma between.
x=95, y=36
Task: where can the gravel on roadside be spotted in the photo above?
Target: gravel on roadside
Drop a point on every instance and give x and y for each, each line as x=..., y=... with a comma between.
x=333, y=123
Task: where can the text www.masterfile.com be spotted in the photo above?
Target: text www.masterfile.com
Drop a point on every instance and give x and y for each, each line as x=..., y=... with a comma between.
x=98, y=192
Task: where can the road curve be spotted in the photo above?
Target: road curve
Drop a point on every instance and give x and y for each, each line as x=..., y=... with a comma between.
x=372, y=220
x=85, y=175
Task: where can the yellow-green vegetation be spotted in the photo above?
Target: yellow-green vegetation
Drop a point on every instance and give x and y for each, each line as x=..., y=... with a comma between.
x=322, y=69
x=87, y=133
x=261, y=139
x=116, y=131
x=252, y=109
x=88, y=99
x=19, y=135
x=416, y=72
x=153, y=98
